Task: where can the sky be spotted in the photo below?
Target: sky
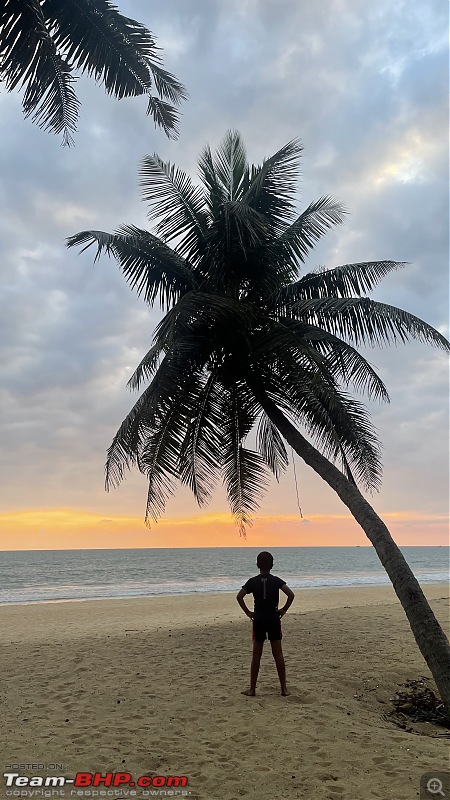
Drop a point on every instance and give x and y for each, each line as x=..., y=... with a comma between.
x=365, y=88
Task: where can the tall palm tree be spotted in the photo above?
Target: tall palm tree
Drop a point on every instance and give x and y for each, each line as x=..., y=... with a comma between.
x=245, y=342
x=43, y=41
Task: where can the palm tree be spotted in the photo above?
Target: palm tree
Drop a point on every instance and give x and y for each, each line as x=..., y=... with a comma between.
x=43, y=41
x=245, y=342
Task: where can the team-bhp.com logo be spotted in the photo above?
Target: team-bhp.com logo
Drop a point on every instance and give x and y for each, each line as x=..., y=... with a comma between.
x=85, y=780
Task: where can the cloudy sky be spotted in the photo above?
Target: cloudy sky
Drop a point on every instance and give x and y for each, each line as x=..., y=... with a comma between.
x=365, y=88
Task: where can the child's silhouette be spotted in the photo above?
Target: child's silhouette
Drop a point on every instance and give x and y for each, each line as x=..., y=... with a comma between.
x=266, y=617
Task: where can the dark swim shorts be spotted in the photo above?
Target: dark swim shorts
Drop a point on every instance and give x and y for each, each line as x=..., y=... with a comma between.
x=263, y=630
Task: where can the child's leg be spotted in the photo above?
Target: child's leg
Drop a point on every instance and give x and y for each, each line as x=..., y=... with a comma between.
x=254, y=669
x=277, y=653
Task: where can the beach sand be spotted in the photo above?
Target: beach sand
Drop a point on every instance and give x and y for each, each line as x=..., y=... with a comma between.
x=153, y=686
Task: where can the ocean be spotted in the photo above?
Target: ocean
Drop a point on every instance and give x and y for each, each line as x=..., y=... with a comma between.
x=35, y=576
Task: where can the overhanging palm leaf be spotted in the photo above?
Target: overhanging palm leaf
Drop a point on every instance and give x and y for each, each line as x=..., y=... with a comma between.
x=43, y=41
x=244, y=472
x=30, y=56
x=152, y=434
x=199, y=463
x=271, y=446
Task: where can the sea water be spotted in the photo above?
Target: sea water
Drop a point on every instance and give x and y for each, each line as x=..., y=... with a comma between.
x=59, y=575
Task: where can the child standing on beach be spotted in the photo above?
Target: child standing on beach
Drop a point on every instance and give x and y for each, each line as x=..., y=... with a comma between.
x=266, y=618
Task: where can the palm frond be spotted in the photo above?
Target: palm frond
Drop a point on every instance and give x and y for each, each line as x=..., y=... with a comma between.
x=117, y=50
x=276, y=340
x=145, y=370
x=299, y=238
x=271, y=446
x=201, y=451
x=163, y=454
x=338, y=424
x=152, y=434
x=215, y=193
x=159, y=459
x=166, y=84
x=123, y=451
x=164, y=116
x=230, y=163
x=167, y=383
x=341, y=427
x=42, y=40
x=148, y=264
x=31, y=58
x=244, y=474
x=49, y=94
x=207, y=311
x=272, y=188
x=365, y=321
x=176, y=202
x=343, y=281
x=343, y=360
x=103, y=43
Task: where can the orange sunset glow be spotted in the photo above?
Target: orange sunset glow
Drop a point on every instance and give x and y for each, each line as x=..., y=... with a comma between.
x=65, y=529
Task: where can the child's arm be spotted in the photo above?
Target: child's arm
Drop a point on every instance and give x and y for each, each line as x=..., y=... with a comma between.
x=290, y=597
x=240, y=598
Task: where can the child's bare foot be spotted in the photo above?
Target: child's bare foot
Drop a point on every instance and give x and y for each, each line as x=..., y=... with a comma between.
x=284, y=692
x=249, y=692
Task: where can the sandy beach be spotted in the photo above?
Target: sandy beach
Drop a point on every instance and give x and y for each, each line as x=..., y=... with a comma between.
x=153, y=686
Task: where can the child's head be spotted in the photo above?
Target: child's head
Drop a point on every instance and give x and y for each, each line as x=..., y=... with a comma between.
x=264, y=561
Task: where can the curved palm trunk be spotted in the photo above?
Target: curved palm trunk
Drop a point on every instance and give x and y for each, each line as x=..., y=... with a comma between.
x=428, y=634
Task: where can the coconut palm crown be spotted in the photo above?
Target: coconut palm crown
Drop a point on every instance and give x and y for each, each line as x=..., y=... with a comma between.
x=224, y=262
x=43, y=41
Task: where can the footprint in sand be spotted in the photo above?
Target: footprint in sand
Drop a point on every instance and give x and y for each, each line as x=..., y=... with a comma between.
x=302, y=699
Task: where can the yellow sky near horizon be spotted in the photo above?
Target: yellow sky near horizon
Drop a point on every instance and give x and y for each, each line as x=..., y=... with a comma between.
x=66, y=529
